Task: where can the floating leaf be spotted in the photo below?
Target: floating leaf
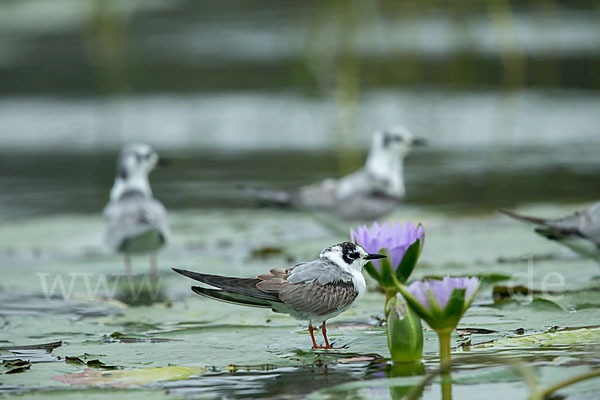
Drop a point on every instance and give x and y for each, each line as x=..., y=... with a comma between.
x=129, y=377
x=14, y=363
x=74, y=360
x=16, y=366
x=48, y=347
x=99, y=364
x=18, y=369
x=554, y=338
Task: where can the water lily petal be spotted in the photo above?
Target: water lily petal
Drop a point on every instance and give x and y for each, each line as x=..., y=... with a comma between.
x=395, y=238
x=440, y=292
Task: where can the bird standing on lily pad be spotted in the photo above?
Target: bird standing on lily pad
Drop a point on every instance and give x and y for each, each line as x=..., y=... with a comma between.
x=136, y=223
x=314, y=291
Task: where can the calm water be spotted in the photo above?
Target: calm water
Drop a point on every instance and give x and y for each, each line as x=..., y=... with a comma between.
x=485, y=150
x=49, y=183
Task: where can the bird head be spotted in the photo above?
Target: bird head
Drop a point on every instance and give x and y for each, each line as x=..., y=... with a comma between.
x=136, y=160
x=395, y=140
x=348, y=255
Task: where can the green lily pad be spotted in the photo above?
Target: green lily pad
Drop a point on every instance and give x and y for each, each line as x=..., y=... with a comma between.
x=16, y=366
x=129, y=377
x=557, y=338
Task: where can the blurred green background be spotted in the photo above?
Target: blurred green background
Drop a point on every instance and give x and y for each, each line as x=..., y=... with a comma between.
x=505, y=91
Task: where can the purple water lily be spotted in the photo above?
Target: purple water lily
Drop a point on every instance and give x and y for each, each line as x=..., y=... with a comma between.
x=442, y=290
x=396, y=239
x=441, y=303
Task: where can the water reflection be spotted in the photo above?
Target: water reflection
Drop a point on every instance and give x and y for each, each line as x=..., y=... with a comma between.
x=277, y=382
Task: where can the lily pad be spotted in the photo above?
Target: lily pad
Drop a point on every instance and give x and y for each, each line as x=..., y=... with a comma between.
x=557, y=338
x=129, y=377
x=16, y=366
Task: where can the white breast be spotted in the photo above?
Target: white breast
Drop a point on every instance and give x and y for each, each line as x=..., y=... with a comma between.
x=359, y=282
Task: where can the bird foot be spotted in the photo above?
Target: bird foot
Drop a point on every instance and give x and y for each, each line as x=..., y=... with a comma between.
x=330, y=347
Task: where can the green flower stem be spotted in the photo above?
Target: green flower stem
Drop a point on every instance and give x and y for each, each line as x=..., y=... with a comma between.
x=389, y=294
x=444, y=348
x=444, y=337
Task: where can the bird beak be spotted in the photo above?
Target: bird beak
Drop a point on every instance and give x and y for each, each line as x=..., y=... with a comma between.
x=163, y=162
x=419, y=142
x=374, y=256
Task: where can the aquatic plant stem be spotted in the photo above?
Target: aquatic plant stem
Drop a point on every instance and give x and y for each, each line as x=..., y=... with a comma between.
x=389, y=294
x=444, y=338
x=543, y=394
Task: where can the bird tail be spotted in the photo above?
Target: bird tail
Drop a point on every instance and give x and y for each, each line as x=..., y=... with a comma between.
x=524, y=218
x=546, y=228
x=269, y=197
x=237, y=290
x=229, y=297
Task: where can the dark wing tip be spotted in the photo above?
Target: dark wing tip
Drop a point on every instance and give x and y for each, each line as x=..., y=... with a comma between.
x=197, y=290
x=185, y=272
x=524, y=218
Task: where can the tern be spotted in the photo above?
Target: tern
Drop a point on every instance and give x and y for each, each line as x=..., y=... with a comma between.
x=135, y=221
x=579, y=231
x=372, y=191
x=314, y=291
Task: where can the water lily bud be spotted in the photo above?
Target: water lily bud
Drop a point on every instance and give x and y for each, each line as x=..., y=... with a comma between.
x=404, y=333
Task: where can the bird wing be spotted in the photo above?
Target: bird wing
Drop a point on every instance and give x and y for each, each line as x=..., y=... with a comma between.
x=328, y=193
x=315, y=287
x=360, y=183
x=360, y=193
x=318, y=299
x=307, y=288
x=241, y=286
x=134, y=214
x=583, y=223
x=320, y=271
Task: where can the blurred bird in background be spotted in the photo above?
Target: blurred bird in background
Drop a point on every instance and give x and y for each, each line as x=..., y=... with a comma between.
x=373, y=191
x=579, y=231
x=136, y=223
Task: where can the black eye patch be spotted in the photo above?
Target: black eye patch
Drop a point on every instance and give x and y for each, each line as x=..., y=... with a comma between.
x=350, y=257
x=389, y=138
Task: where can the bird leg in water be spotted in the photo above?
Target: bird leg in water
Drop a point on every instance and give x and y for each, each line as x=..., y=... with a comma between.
x=153, y=267
x=128, y=267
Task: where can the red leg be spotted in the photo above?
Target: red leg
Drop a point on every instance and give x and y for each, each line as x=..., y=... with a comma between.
x=327, y=345
x=312, y=336
x=324, y=331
